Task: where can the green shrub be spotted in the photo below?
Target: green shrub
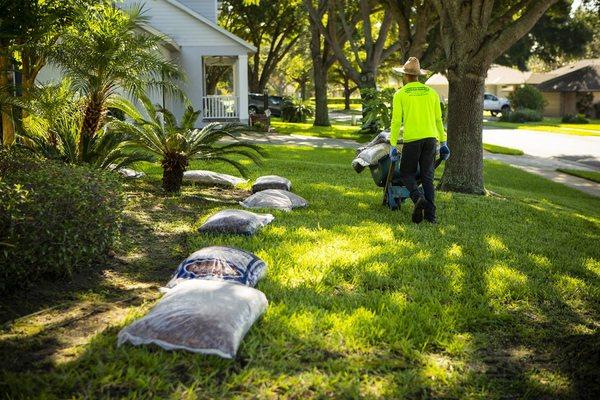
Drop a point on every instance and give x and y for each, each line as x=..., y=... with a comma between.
x=575, y=119
x=296, y=111
x=584, y=102
x=378, y=108
x=528, y=97
x=54, y=217
x=522, y=115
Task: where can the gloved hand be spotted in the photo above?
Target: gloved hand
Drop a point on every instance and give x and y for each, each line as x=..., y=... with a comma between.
x=444, y=151
x=394, y=154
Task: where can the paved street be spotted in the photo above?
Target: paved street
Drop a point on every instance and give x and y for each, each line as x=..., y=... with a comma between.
x=583, y=150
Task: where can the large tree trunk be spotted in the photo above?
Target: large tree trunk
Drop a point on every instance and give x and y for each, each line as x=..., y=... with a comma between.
x=320, y=78
x=321, y=110
x=367, y=82
x=464, y=169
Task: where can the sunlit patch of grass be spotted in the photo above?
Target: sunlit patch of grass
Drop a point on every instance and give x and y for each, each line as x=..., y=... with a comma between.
x=362, y=303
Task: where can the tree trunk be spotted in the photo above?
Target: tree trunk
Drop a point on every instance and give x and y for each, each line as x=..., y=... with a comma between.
x=367, y=82
x=347, y=93
x=321, y=110
x=94, y=113
x=464, y=169
x=173, y=169
x=8, y=129
x=303, y=90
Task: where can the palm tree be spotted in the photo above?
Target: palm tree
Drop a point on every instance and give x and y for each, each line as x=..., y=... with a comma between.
x=103, y=53
x=52, y=129
x=176, y=143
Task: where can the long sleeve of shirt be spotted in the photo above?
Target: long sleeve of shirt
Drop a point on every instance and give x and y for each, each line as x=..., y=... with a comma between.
x=396, y=123
x=439, y=123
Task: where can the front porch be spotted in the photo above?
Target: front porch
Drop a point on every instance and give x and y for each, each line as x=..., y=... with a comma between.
x=225, y=88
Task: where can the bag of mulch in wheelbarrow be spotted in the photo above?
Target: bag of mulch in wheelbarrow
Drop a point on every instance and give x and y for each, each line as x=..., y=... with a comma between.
x=220, y=263
x=209, y=317
x=382, y=137
x=271, y=182
x=212, y=178
x=237, y=222
x=370, y=156
x=274, y=198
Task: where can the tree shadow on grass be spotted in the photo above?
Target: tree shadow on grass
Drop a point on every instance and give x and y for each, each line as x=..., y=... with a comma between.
x=467, y=308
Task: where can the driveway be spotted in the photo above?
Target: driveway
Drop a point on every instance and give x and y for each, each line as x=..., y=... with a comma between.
x=582, y=151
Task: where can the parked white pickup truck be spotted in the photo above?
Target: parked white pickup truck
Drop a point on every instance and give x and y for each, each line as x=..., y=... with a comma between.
x=495, y=105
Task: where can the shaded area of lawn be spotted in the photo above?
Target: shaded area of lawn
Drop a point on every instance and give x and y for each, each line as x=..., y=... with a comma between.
x=501, y=300
x=589, y=175
x=553, y=125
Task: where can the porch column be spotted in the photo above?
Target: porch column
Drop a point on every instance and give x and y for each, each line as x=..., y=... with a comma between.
x=242, y=86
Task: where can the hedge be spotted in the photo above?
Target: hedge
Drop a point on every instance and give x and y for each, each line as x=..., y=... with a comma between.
x=54, y=218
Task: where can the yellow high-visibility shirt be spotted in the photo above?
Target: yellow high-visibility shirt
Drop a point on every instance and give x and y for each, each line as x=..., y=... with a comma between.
x=417, y=107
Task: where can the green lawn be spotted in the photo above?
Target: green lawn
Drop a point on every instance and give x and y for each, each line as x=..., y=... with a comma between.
x=589, y=175
x=500, y=300
x=551, y=125
x=492, y=148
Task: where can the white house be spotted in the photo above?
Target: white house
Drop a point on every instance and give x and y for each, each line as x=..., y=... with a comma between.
x=204, y=50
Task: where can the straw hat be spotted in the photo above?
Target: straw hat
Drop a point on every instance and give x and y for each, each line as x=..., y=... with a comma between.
x=411, y=67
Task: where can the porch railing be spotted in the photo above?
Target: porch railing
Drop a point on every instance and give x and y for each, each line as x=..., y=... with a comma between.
x=218, y=107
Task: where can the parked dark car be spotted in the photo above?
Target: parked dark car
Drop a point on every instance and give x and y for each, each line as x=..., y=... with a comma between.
x=256, y=104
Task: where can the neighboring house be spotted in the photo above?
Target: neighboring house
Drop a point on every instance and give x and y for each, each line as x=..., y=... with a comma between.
x=201, y=47
x=500, y=81
x=562, y=87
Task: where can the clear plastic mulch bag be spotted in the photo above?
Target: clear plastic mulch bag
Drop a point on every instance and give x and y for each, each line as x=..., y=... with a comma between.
x=220, y=263
x=271, y=182
x=209, y=317
x=212, y=178
x=382, y=137
x=238, y=222
x=370, y=156
x=274, y=198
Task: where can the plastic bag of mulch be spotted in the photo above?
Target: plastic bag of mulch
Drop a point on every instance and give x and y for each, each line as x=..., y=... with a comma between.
x=382, y=137
x=370, y=156
x=209, y=317
x=212, y=178
x=220, y=263
x=271, y=182
x=274, y=198
x=236, y=222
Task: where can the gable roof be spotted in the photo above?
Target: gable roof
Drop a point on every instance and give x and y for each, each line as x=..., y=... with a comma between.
x=584, y=79
x=211, y=24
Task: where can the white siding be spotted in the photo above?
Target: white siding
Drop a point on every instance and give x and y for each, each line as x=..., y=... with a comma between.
x=184, y=28
x=207, y=8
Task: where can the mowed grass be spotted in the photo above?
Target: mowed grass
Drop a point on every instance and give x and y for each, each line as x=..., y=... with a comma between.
x=593, y=176
x=552, y=125
x=500, y=300
x=492, y=148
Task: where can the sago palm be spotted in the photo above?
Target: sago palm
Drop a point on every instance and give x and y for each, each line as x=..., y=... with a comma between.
x=104, y=53
x=176, y=143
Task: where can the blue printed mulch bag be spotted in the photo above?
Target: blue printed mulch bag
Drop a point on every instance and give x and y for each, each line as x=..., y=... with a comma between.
x=221, y=263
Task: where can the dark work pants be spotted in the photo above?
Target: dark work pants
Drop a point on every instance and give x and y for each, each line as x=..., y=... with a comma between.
x=420, y=153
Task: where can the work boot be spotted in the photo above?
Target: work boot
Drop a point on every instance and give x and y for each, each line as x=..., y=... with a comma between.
x=430, y=213
x=417, y=215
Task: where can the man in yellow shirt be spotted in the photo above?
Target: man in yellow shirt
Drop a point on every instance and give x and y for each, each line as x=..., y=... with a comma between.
x=417, y=107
